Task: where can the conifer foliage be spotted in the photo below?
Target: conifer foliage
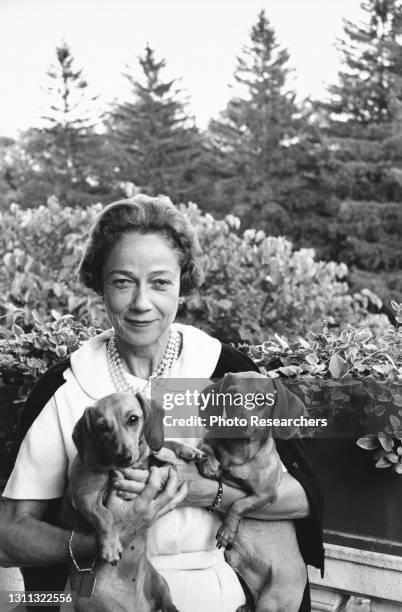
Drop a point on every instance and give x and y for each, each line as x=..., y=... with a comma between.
x=66, y=157
x=252, y=139
x=363, y=130
x=157, y=141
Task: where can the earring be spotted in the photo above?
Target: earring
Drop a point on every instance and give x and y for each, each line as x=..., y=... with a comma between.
x=182, y=300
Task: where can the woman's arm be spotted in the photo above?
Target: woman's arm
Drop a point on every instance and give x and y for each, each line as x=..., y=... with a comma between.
x=291, y=502
x=25, y=540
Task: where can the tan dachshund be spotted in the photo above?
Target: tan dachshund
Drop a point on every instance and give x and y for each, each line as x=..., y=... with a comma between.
x=264, y=553
x=119, y=431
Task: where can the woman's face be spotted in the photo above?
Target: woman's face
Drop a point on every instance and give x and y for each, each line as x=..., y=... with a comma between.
x=141, y=284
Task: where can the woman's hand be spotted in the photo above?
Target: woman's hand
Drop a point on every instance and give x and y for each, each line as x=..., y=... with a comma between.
x=129, y=482
x=202, y=490
x=161, y=493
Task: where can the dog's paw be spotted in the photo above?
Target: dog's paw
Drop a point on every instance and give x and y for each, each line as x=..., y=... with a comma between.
x=199, y=454
x=189, y=453
x=209, y=469
x=111, y=550
x=226, y=535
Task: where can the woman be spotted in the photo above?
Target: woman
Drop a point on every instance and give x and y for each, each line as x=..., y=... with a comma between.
x=142, y=258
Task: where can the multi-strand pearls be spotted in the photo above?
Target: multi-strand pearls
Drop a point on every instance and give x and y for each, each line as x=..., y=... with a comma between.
x=118, y=375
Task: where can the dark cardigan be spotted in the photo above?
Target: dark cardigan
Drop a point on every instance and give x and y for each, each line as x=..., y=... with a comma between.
x=292, y=453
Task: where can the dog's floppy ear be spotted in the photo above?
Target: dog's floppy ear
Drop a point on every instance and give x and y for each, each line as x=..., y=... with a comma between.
x=153, y=422
x=82, y=436
x=287, y=406
x=212, y=407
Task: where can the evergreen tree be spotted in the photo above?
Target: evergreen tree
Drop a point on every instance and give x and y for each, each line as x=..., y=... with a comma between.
x=363, y=130
x=254, y=143
x=158, y=142
x=8, y=177
x=65, y=158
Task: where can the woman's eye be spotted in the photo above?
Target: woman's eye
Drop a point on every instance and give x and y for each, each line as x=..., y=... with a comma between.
x=122, y=283
x=132, y=420
x=161, y=282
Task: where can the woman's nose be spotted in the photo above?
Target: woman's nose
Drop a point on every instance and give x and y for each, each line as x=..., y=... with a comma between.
x=141, y=299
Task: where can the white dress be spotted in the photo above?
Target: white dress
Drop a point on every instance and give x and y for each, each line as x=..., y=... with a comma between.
x=181, y=544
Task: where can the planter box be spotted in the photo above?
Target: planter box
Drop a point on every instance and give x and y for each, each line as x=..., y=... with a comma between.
x=362, y=530
x=360, y=500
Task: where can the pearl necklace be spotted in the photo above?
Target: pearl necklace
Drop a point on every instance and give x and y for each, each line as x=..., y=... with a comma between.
x=117, y=372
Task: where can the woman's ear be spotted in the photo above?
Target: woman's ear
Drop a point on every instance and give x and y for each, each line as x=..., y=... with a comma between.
x=153, y=422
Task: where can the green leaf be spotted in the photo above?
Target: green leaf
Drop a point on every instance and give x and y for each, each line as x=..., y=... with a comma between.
x=381, y=368
x=61, y=351
x=363, y=335
x=369, y=442
x=290, y=370
x=282, y=341
x=392, y=457
x=337, y=366
x=17, y=330
x=304, y=343
x=396, y=423
x=386, y=441
x=383, y=463
x=379, y=410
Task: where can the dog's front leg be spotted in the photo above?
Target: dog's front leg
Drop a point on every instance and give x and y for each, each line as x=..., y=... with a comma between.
x=227, y=531
x=181, y=451
x=110, y=546
x=87, y=494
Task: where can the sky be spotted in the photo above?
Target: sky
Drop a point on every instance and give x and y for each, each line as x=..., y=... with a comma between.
x=198, y=38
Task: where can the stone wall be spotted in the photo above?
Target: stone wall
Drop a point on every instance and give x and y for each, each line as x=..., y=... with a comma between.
x=357, y=580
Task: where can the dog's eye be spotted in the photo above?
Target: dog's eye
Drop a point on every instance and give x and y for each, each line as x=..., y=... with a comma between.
x=132, y=420
x=102, y=427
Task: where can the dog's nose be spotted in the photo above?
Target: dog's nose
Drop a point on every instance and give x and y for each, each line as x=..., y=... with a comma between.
x=124, y=459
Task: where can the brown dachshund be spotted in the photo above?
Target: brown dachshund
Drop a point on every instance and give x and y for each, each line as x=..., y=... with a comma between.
x=119, y=431
x=264, y=553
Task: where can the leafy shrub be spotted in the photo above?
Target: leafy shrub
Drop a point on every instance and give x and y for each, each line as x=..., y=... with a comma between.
x=24, y=356
x=254, y=284
x=350, y=377
x=40, y=249
x=345, y=375
x=27, y=355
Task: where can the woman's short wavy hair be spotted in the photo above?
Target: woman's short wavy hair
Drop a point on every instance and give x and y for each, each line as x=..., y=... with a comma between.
x=143, y=215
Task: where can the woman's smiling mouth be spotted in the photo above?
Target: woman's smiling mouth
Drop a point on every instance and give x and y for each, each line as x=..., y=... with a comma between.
x=136, y=323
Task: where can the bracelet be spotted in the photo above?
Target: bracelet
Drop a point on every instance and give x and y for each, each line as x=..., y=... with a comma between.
x=218, y=499
x=70, y=550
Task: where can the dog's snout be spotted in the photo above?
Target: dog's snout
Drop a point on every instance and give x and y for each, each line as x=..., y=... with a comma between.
x=124, y=459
